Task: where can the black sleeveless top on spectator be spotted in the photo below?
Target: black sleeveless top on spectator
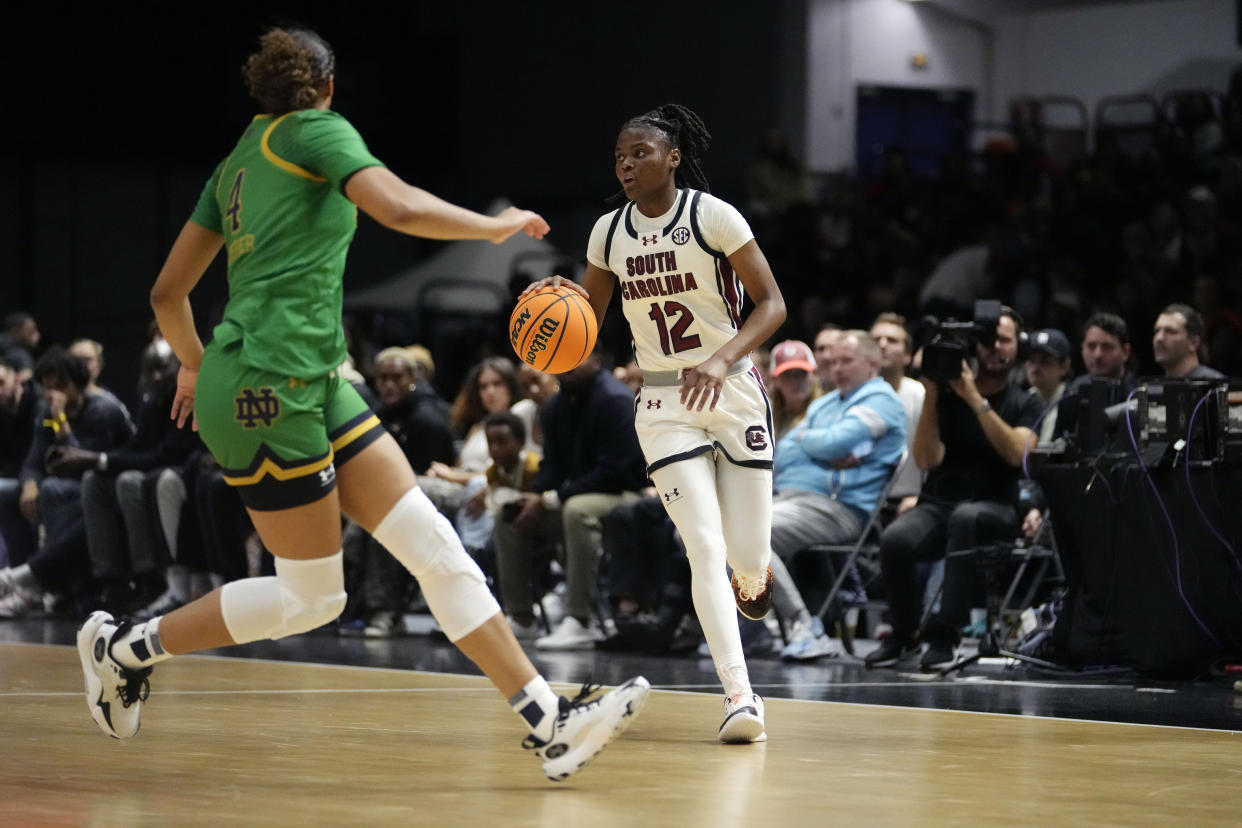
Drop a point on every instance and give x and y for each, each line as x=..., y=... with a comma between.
x=972, y=470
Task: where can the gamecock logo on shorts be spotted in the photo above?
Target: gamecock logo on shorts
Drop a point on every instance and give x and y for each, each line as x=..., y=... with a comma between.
x=756, y=438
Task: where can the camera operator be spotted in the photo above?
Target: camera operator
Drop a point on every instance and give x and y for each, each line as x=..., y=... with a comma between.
x=970, y=439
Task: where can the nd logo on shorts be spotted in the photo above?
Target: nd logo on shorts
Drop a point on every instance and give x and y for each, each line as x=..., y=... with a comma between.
x=253, y=409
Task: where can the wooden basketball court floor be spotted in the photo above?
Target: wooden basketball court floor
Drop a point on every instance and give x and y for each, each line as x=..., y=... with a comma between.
x=257, y=742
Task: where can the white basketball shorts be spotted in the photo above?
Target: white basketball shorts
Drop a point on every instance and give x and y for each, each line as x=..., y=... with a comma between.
x=739, y=429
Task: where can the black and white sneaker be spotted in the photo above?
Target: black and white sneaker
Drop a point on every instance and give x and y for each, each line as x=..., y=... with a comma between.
x=583, y=728
x=114, y=694
x=743, y=719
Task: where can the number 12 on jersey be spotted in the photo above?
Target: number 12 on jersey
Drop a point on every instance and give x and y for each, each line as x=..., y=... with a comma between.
x=235, y=200
x=674, y=340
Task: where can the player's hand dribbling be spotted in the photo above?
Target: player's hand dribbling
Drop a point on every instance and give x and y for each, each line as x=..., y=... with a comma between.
x=183, y=400
x=702, y=382
x=554, y=281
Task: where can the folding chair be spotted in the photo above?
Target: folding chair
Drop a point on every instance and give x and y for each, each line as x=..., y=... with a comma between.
x=867, y=543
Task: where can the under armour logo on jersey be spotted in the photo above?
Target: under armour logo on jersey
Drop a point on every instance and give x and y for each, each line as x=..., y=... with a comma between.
x=254, y=408
x=681, y=235
x=654, y=238
x=756, y=438
x=653, y=403
x=326, y=476
x=673, y=496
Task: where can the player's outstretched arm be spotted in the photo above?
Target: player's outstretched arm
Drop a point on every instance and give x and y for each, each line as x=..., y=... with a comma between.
x=383, y=196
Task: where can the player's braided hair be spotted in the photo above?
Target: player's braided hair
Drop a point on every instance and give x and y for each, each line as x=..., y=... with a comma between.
x=685, y=130
x=289, y=70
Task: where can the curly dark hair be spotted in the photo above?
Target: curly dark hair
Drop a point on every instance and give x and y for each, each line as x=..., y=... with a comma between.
x=58, y=363
x=682, y=128
x=290, y=70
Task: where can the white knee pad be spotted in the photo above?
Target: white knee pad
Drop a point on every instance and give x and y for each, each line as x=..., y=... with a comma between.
x=305, y=594
x=425, y=543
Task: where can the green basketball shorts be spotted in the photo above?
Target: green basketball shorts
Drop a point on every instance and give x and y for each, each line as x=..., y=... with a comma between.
x=278, y=439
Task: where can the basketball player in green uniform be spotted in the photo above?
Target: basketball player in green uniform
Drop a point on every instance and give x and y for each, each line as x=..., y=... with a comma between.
x=292, y=435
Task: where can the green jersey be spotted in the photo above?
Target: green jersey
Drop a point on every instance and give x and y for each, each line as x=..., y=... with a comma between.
x=278, y=200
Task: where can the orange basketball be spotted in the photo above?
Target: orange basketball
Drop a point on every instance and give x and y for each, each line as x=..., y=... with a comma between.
x=553, y=329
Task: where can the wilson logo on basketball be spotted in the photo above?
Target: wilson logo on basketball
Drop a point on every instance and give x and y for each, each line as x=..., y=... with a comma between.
x=553, y=329
x=547, y=329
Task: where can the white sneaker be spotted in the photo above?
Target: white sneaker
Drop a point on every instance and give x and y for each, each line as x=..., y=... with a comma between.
x=584, y=728
x=114, y=693
x=809, y=642
x=7, y=582
x=743, y=721
x=570, y=634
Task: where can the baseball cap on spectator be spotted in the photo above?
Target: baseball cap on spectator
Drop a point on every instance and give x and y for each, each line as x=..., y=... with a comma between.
x=1051, y=341
x=792, y=354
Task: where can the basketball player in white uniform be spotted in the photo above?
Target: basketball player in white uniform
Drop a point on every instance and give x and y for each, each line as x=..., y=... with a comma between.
x=682, y=260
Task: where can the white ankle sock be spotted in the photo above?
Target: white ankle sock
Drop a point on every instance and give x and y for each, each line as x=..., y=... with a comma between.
x=140, y=646
x=734, y=676
x=538, y=706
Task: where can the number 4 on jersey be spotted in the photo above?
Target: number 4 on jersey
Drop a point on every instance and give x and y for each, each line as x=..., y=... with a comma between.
x=235, y=200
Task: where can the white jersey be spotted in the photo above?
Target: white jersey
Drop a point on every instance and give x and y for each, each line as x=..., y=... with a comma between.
x=680, y=295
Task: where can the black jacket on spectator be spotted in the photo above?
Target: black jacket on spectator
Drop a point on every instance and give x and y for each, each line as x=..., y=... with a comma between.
x=157, y=442
x=101, y=425
x=589, y=442
x=972, y=470
x=17, y=430
x=420, y=425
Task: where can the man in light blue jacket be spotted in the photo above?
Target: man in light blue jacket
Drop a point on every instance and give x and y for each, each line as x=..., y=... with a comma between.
x=829, y=472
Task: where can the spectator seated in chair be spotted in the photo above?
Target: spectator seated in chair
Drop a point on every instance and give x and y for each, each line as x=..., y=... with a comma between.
x=591, y=463
x=829, y=472
x=69, y=418
x=118, y=490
